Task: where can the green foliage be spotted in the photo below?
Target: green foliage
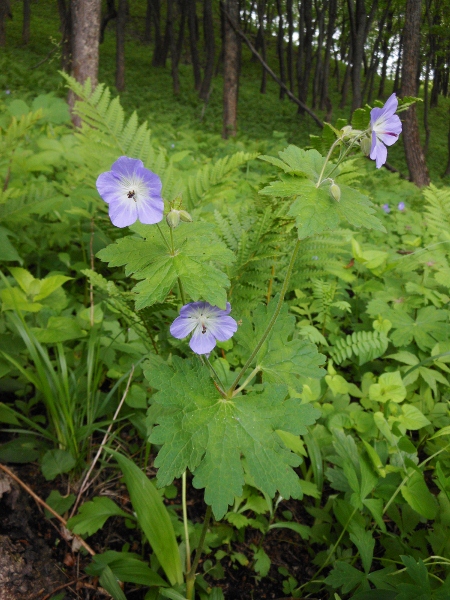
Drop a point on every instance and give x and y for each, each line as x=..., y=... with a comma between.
x=92, y=516
x=211, y=435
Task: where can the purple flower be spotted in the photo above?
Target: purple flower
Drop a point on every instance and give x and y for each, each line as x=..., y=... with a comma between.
x=208, y=324
x=401, y=206
x=386, y=208
x=386, y=127
x=7, y=92
x=132, y=192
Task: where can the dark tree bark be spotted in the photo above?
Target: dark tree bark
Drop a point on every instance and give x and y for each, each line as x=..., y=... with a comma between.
x=398, y=66
x=261, y=8
x=192, y=14
x=306, y=20
x=331, y=27
x=159, y=54
x=65, y=19
x=386, y=49
x=26, y=21
x=290, y=45
x=148, y=23
x=318, y=73
x=180, y=39
x=375, y=58
x=85, y=44
x=447, y=170
x=5, y=12
x=280, y=47
x=120, y=44
x=358, y=18
x=346, y=84
x=415, y=158
x=210, y=47
x=111, y=13
x=231, y=60
x=170, y=42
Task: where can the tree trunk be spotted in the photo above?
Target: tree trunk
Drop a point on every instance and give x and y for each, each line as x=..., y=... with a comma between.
x=280, y=47
x=345, y=85
x=231, y=59
x=180, y=39
x=318, y=74
x=332, y=15
x=290, y=46
x=148, y=23
x=398, y=67
x=65, y=19
x=111, y=13
x=208, y=30
x=447, y=170
x=159, y=56
x=120, y=45
x=306, y=8
x=192, y=13
x=411, y=47
x=26, y=21
x=5, y=11
x=358, y=18
x=386, y=53
x=261, y=8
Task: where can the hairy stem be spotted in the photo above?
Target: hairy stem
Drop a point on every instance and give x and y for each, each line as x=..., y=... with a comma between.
x=272, y=320
x=190, y=577
x=185, y=522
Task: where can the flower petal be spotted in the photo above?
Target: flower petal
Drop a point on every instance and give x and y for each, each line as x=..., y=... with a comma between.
x=202, y=343
x=222, y=328
x=108, y=186
x=390, y=105
x=182, y=327
x=378, y=152
x=126, y=167
x=150, y=210
x=123, y=212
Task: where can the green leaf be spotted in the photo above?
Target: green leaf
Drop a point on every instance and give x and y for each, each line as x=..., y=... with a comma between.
x=299, y=162
x=153, y=517
x=421, y=589
x=365, y=542
x=7, y=251
x=55, y=462
x=59, y=329
x=93, y=515
x=389, y=388
x=419, y=497
x=345, y=576
x=49, y=285
x=196, y=253
x=280, y=358
x=127, y=567
x=212, y=436
x=303, y=530
x=108, y=581
x=412, y=418
x=262, y=562
x=428, y=327
x=59, y=503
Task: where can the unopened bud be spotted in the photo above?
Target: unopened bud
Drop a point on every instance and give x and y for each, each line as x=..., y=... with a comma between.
x=366, y=144
x=185, y=216
x=335, y=191
x=173, y=218
x=346, y=131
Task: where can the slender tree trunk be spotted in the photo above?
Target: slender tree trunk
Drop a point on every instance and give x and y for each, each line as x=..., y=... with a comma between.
x=65, y=19
x=148, y=23
x=192, y=13
x=290, y=46
x=111, y=13
x=306, y=67
x=426, y=104
x=159, y=58
x=120, y=45
x=358, y=17
x=231, y=60
x=280, y=47
x=5, y=12
x=447, y=170
x=180, y=39
x=26, y=21
x=332, y=15
x=210, y=46
x=415, y=158
x=261, y=8
x=398, y=66
x=170, y=42
x=346, y=85
x=318, y=74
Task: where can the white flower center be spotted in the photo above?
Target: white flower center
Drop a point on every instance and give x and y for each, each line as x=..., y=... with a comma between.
x=133, y=188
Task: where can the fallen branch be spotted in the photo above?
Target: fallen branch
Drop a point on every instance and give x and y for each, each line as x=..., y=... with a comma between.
x=271, y=73
x=46, y=506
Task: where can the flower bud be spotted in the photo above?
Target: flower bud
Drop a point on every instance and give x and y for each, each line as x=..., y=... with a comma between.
x=366, y=144
x=173, y=218
x=335, y=191
x=185, y=216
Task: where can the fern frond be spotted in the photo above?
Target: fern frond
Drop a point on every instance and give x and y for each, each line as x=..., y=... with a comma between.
x=37, y=199
x=366, y=345
x=437, y=210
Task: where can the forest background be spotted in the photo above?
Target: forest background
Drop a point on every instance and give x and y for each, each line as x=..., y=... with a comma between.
x=221, y=83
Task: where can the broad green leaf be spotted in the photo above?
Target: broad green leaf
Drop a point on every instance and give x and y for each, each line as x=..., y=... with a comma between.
x=303, y=530
x=59, y=503
x=93, y=515
x=55, y=462
x=147, y=257
x=419, y=497
x=389, y=388
x=262, y=562
x=15, y=299
x=429, y=326
x=59, y=329
x=300, y=162
x=345, y=576
x=49, y=285
x=7, y=251
x=127, y=567
x=108, y=581
x=365, y=542
x=421, y=589
x=210, y=435
x=153, y=517
x=280, y=357
x=412, y=418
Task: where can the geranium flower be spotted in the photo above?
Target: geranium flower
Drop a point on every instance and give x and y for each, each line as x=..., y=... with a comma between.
x=386, y=127
x=401, y=206
x=132, y=192
x=208, y=324
x=386, y=208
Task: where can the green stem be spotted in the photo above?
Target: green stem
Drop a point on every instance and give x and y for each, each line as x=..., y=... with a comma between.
x=185, y=522
x=215, y=374
x=163, y=237
x=183, y=297
x=190, y=576
x=272, y=320
x=330, y=152
x=247, y=381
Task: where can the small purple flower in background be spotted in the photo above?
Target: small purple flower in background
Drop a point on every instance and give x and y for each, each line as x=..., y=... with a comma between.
x=401, y=206
x=7, y=92
x=386, y=208
x=386, y=127
x=315, y=257
x=208, y=324
x=132, y=192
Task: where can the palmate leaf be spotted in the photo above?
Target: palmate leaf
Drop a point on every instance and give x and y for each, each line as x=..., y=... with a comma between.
x=280, y=358
x=211, y=436
x=429, y=326
x=147, y=257
x=314, y=209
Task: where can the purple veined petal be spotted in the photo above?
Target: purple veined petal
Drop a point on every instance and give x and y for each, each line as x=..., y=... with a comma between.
x=387, y=138
x=202, y=343
x=182, y=327
x=126, y=166
x=379, y=153
x=108, y=188
x=122, y=212
x=151, y=180
x=193, y=309
x=375, y=114
x=150, y=211
x=374, y=145
x=222, y=328
x=390, y=105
